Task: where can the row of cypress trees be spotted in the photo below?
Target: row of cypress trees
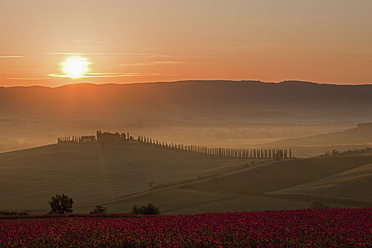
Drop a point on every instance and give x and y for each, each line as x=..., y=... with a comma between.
x=219, y=151
x=210, y=151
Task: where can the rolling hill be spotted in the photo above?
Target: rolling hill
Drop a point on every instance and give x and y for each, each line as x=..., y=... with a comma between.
x=349, y=139
x=238, y=100
x=90, y=173
x=353, y=184
x=233, y=114
x=119, y=176
x=362, y=134
x=257, y=189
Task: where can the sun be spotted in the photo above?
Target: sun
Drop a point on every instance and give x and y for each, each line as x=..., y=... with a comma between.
x=75, y=67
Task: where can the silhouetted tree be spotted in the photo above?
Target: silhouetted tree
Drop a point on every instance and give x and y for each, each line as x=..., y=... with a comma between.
x=98, y=209
x=61, y=204
x=149, y=209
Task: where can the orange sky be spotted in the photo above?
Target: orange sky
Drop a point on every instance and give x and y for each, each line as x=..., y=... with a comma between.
x=326, y=41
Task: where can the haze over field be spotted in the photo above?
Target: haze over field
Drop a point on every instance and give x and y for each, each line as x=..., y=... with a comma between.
x=235, y=114
x=238, y=114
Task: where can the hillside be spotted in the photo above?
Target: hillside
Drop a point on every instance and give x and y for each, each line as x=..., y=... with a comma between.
x=256, y=189
x=354, y=184
x=349, y=139
x=119, y=176
x=234, y=114
x=239, y=100
x=92, y=172
x=362, y=134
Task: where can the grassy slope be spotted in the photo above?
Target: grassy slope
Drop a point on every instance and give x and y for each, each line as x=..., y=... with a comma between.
x=248, y=191
x=351, y=184
x=92, y=173
x=29, y=178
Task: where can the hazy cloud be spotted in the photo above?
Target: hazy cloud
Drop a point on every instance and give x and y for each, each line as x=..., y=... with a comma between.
x=158, y=55
x=11, y=56
x=105, y=75
x=92, y=41
x=107, y=54
x=27, y=79
x=154, y=63
x=250, y=45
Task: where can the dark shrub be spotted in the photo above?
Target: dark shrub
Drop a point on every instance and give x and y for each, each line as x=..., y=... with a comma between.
x=98, y=209
x=149, y=209
x=11, y=212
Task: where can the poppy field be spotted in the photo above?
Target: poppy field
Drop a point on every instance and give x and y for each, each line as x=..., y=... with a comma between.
x=289, y=228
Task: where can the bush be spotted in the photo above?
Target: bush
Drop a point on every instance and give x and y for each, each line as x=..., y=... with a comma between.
x=98, y=209
x=149, y=209
x=61, y=204
x=319, y=205
x=11, y=212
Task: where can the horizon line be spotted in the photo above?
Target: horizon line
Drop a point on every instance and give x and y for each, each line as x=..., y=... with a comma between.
x=185, y=81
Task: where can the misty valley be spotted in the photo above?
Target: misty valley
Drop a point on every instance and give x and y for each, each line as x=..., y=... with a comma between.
x=184, y=148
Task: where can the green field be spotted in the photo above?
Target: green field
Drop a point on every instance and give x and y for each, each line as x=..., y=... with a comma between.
x=91, y=173
x=119, y=176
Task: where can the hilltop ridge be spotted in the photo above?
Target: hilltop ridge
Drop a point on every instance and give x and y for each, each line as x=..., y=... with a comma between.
x=361, y=134
x=235, y=100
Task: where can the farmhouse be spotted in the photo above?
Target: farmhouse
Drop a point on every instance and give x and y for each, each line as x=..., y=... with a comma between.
x=87, y=139
x=109, y=138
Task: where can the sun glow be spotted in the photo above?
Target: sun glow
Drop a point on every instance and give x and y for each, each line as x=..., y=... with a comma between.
x=75, y=67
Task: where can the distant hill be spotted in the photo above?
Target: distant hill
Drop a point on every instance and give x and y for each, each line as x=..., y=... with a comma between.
x=362, y=134
x=236, y=100
x=349, y=139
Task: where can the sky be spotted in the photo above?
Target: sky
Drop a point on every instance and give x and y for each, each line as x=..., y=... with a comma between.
x=325, y=41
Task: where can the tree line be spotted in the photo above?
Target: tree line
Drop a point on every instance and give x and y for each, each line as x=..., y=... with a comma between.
x=219, y=151
x=116, y=138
